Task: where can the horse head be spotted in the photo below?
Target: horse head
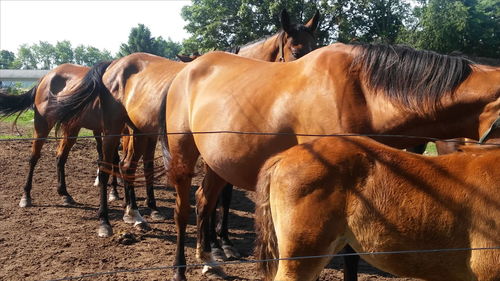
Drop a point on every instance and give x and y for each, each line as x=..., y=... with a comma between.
x=297, y=39
x=188, y=58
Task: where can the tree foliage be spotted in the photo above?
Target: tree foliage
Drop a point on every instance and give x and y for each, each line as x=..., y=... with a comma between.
x=46, y=56
x=471, y=27
x=88, y=55
x=141, y=40
x=6, y=59
x=224, y=24
x=468, y=26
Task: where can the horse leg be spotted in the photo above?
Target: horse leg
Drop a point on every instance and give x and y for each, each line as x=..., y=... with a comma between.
x=222, y=230
x=63, y=150
x=351, y=263
x=180, y=169
x=98, y=146
x=109, y=145
x=216, y=248
x=206, y=199
x=296, y=236
x=128, y=168
x=113, y=194
x=41, y=132
x=218, y=228
x=149, y=174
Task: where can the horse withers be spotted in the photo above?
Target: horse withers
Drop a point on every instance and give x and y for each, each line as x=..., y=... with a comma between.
x=316, y=197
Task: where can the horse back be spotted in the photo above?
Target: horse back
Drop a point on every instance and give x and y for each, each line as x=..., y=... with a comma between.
x=137, y=83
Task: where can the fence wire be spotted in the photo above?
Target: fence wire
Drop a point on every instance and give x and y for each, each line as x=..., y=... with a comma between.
x=428, y=139
x=95, y=274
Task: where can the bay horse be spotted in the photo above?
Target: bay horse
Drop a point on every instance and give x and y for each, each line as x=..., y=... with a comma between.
x=290, y=43
x=318, y=196
x=134, y=85
x=370, y=89
x=56, y=81
x=130, y=90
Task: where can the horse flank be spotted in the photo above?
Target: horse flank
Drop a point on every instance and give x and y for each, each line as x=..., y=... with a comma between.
x=266, y=244
x=415, y=80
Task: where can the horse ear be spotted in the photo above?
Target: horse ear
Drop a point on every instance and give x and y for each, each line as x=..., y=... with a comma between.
x=285, y=21
x=312, y=24
x=184, y=58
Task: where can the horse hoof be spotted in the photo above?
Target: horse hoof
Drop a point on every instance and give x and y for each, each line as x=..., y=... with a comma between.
x=25, y=202
x=157, y=216
x=113, y=196
x=231, y=252
x=213, y=272
x=68, y=201
x=179, y=277
x=142, y=226
x=218, y=254
x=96, y=182
x=128, y=219
x=105, y=231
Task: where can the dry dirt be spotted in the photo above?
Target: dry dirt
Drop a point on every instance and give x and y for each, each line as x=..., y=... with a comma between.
x=50, y=241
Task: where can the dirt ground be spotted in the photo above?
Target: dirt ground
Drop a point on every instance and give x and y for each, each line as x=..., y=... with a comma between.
x=50, y=241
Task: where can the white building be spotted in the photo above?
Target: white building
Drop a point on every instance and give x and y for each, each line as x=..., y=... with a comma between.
x=26, y=77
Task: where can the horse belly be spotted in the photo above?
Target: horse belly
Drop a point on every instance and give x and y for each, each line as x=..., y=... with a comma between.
x=238, y=158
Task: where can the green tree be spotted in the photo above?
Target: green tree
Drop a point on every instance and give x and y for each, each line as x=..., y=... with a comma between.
x=140, y=40
x=44, y=53
x=6, y=59
x=170, y=48
x=63, y=52
x=88, y=55
x=469, y=26
x=25, y=58
x=224, y=24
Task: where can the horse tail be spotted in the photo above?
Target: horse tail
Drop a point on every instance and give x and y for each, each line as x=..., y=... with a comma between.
x=163, y=131
x=11, y=104
x=70, y=106
x=267, y=245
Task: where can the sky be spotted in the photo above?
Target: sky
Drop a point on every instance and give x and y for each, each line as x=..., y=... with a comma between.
x=101, y=24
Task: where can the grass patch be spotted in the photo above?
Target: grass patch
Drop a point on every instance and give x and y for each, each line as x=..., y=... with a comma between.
x=25, y=125
x=431, y=149
x=25, y=119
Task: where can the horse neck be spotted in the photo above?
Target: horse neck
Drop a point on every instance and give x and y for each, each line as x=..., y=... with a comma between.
x=266, y=49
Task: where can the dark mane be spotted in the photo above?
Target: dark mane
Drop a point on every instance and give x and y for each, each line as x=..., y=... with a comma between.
x=413, y=79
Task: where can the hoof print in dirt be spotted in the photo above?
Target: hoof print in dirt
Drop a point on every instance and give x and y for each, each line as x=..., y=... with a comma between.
x=127, y=238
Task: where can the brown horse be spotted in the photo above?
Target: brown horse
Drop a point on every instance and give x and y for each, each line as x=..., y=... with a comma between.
x=127, y=88
x=316, y=197
x=372, y=89
x=56, y=81
x=131, y=86
x=292, y=42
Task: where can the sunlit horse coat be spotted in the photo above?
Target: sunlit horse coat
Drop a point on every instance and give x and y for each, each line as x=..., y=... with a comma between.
x=316, y=197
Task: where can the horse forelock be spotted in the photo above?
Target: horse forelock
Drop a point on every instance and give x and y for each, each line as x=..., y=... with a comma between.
x=413, y=79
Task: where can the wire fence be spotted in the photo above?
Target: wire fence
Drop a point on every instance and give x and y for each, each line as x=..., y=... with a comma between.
x=426, y=139
x=95, y=274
